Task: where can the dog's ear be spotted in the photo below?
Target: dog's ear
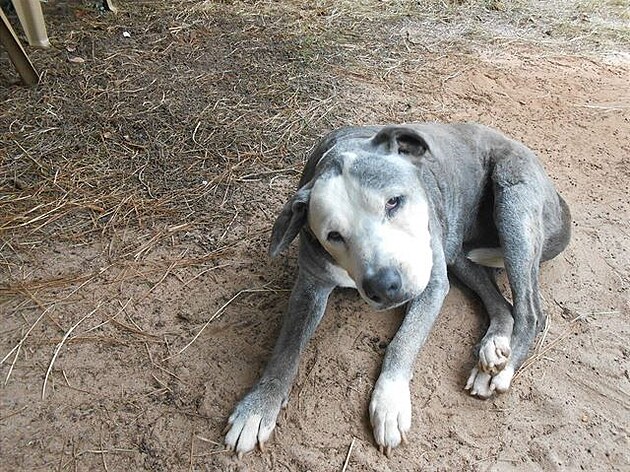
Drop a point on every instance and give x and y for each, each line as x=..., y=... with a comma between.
x=290, y=221
x=402, y=140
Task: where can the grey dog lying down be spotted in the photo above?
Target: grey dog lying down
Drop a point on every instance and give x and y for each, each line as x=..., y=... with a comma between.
x=388, y=210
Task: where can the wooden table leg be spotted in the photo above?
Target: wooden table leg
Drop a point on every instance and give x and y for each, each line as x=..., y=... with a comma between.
x=17, y=54
x=32, y=19
x=109, y=4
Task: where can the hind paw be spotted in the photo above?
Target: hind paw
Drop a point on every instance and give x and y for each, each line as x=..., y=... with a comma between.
x=483, y=385
x=494, y=353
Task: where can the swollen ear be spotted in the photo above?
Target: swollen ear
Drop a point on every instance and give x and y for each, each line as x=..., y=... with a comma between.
x=401, y=140
x=290, y=221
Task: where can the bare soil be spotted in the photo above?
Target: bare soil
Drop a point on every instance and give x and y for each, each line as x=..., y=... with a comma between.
x=139, y=182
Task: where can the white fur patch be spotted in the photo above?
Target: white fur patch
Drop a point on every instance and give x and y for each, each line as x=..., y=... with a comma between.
x=341, y=277
x=371, y=239
x=390, y=412
x=489, y=257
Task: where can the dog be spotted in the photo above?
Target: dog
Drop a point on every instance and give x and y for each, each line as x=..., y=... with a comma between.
x=388, y=210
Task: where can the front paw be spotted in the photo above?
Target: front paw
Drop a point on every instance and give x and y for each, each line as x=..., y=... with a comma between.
x=390, y=413
x=254, y=418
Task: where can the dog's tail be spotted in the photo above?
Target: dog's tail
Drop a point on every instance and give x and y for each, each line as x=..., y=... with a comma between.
x=487, y=256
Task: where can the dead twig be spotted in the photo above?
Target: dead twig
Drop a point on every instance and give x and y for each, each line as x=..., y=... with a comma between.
x=17, y=348
x=345, y=463
x=14, y=413
x=215, y=316
x=60, y=345
x=541, y=351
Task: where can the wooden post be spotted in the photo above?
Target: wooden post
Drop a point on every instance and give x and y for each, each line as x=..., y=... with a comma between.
x=17, y=54
x=32, y=19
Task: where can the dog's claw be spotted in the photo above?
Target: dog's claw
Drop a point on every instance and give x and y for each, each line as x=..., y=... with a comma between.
x=388, y=452
x=239, y=455
x=403, y=437
x=261, y=446
x=226, y=429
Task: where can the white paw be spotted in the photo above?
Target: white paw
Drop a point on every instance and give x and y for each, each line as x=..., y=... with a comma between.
x=390, y=413
x=253, y=420
x=484, y=385
x=246, y=432
x=494, y=353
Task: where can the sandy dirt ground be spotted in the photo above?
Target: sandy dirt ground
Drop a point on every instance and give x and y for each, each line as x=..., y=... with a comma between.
x=139, y=185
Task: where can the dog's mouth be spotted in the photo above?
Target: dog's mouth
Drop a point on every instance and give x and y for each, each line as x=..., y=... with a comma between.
x=384, y=306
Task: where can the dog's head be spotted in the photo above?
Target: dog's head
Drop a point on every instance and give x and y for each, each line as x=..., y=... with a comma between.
x=368, y=210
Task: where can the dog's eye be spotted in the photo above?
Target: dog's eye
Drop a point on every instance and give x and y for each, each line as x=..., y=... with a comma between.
x=335, y=237
x=392, y=204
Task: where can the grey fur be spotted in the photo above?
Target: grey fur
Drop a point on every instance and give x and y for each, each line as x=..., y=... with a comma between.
x=484, y=191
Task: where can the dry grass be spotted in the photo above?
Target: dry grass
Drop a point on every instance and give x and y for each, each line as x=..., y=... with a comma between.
x=121, y=146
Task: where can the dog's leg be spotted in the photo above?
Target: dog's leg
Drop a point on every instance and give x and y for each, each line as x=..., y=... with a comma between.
x=494, y=348
x=390, y=407
x=520, y=201
x=254, y=418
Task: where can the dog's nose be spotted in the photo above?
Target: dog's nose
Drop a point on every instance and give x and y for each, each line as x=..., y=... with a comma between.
x=384, y=286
